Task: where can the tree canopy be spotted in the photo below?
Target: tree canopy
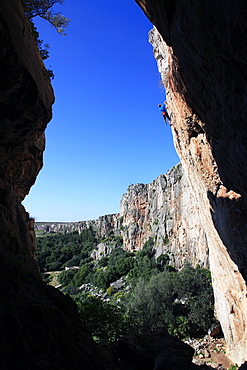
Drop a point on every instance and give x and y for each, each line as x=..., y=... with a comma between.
x=149, y=295
x=44, y=9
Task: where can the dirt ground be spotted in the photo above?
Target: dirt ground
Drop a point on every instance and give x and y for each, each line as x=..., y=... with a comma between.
x=210, y=351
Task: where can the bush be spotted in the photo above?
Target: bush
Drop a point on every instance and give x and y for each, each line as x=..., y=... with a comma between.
x=66, y=276
x=150, y=305
x=82, y=276
x=106, y=321
x=179, y=302
x=70, y=289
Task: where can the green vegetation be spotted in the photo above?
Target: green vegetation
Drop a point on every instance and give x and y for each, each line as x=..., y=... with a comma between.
x=179, y=302
x=44, y=9
x=54, y=252
x=105, y=320
x=126, y=292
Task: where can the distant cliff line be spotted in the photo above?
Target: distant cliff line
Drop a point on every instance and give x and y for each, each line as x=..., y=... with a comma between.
x=162, y=210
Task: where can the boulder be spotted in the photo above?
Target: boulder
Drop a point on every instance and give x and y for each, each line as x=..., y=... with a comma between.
x=154, y=351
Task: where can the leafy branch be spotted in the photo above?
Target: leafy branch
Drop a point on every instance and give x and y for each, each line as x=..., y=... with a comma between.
x=43, y=9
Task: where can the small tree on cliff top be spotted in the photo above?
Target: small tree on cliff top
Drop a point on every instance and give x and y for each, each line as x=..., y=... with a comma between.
x=43, y=9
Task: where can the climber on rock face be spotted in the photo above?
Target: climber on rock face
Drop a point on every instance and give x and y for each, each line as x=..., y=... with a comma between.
x=163, y=110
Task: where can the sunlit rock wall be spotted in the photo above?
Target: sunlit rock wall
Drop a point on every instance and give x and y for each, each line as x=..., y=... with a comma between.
x=203, y=66
x=165, y=211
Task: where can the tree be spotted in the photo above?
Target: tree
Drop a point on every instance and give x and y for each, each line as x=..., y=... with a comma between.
x=106, y=321
x=195, y=293
x=150, y=306
x=66, y=276
x=181, y=302
x=43, y=9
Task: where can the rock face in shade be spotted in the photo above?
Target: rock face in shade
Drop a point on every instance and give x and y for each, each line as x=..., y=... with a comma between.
x=40, y=327
x=25, y=109
x=201, y=52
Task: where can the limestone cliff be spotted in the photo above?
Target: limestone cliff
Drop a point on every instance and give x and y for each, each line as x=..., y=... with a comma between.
x=103, y=225
x=164, y=210
x=200, y=48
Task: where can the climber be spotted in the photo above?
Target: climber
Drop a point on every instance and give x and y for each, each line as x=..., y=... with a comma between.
x=163, y=110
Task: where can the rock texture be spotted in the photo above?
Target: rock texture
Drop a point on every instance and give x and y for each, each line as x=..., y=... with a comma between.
x=25, y=109
x=39, y=327
x=201, y=52
x=165, y=211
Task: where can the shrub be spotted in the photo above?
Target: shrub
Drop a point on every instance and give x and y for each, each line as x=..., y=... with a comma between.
x=66, y=277
x=82, y=276
x=180, y=302
x=106, y=321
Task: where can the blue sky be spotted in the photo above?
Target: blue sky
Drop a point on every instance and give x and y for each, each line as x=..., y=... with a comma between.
x=106, y=132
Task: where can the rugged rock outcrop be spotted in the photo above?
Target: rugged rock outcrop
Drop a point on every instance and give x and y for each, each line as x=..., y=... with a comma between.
x=164, y=210
x=25, y=109
x=201, y=52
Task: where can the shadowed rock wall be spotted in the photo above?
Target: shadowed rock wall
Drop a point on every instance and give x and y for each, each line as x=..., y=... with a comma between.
x=25, y=109
x=203, y=66
x=39, y=326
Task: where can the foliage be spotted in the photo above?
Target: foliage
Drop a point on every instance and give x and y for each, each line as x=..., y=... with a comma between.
x=106, y=321
x=149, y=306
x=44, y=9
x=162, y=260
x=54, y=252
x=194, y=288
x=145, y=265
x=180, y=302
x=66, y=276
x=83, y=275
x=159, y=298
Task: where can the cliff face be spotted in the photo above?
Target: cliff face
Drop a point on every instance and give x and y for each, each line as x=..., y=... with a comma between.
x=103, y=225
x=40, y=328
x=164, y=210
x=201, y=54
